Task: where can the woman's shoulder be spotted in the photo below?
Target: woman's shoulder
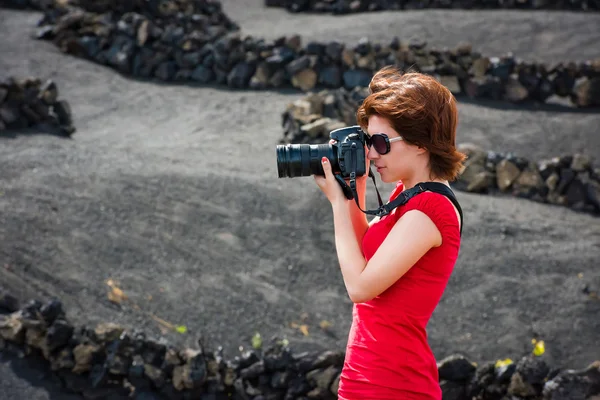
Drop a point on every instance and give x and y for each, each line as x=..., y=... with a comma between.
x=429, y=199
x=436, y=206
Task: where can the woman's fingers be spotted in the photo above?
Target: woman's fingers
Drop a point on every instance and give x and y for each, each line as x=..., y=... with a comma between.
x=326, y=168
x=322, y=181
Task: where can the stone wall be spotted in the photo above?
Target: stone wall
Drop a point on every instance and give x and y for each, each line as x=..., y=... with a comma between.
x=354, y=6
x=25, y=4
x=568, y=180
x=154, y=9
x=108, y=361
x=31, y=102
x=207, y=49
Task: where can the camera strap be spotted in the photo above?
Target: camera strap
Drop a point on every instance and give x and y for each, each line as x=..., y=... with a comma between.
x=405, y=196
x=421, y=187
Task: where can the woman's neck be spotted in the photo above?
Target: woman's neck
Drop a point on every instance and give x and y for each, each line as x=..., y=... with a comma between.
x=410, y=182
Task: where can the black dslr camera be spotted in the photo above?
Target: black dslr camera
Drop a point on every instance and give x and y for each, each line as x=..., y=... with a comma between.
x=347, y=157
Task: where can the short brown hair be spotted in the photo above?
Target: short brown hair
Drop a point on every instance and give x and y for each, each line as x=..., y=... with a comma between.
x=422, y=111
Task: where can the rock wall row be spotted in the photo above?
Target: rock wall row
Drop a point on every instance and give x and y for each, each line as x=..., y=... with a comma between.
x=205, y=47
x=31, y=102
x=168, y=11
x=340, y=7
x=108, y=361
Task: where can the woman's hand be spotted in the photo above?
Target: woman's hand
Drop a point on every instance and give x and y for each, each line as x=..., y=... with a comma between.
x=329, y=185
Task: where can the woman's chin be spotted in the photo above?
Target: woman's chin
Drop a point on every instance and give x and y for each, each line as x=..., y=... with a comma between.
x=384, y=178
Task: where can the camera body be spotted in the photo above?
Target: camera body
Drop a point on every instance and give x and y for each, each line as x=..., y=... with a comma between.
x=347, y=155
x=350, y=150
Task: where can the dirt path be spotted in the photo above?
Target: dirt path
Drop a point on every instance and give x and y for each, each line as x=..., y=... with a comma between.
x=172, y=191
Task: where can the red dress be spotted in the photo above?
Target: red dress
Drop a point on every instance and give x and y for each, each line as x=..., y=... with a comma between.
x=387, y=355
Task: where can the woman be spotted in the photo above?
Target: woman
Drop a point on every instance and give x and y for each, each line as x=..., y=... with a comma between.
x=396, y=268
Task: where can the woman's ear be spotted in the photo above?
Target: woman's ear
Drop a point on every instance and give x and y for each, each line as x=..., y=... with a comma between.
x=421, y=150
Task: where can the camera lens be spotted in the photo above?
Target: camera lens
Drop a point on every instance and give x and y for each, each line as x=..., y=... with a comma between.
x=304, y=159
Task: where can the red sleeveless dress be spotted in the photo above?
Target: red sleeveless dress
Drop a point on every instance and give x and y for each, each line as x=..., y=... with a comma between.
x=387, y=355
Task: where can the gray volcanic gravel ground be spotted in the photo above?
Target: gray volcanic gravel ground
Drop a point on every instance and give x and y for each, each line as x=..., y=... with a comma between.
x=172, y=191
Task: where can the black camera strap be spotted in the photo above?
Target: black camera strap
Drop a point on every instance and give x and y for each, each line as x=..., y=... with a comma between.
x=421, y=187
x=401, y=199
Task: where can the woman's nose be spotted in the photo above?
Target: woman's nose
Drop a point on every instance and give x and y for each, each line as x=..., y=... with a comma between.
x=372, y=153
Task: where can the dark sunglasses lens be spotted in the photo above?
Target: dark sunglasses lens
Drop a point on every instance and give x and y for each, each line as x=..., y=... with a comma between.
x=379, y=143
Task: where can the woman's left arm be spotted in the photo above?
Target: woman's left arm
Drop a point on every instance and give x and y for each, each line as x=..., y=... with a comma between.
x=410, y=238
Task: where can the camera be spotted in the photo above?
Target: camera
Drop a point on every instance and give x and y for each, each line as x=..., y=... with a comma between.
x=346, y=155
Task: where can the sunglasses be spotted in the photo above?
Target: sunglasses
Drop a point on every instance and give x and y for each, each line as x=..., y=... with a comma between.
x=381, y=142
